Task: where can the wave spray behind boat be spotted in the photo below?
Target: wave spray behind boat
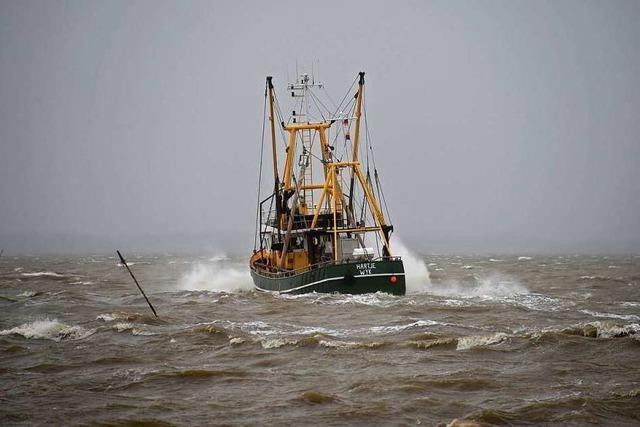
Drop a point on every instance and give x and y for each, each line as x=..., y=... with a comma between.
x=218, y=274
x=416, y=273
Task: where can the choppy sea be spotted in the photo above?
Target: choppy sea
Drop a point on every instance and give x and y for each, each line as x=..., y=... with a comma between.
x=480, y=340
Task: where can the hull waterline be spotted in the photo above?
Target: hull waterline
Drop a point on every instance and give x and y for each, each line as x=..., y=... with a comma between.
x=349, y=278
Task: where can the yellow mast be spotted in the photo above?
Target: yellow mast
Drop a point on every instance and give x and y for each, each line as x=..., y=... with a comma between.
x=356, y=141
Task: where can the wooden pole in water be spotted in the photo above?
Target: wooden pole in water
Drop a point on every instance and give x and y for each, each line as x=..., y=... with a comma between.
x=1, y=251
x=122, y=260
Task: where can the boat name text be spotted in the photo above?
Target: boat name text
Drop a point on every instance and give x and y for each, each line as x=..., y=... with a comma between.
x=366, y=268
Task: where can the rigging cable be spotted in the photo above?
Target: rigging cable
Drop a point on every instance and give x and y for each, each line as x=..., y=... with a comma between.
x=375, y=168
x=352, y=107
x=280, y=119
x=345, y=96
x=313, y=98
x=264, y=113
x=317, y=100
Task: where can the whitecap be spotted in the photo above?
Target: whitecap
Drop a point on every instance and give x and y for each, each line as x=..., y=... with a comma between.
x=269, y=343
x=611, y=315
x=140, y=332
x=524, y=258
x=398, y=328
x=28, y=294
x=130, y=327
x=630, y=304
x=106, y=317
x=609, y=330
x=339, y=344
x=466, y=343
x=539, y=302
x=123, y=326
x=488, y=286
x=378, y=299
x=43, y=274
x=314, y=330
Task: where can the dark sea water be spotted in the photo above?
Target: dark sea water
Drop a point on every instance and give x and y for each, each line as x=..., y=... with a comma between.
x=489, y=340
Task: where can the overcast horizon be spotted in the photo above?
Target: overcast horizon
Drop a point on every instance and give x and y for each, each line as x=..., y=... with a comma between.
x=498, y=127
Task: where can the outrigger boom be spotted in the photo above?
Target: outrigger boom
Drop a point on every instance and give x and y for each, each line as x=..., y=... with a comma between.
x=316, y=237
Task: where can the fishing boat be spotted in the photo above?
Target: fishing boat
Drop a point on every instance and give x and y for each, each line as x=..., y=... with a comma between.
x=323, y=227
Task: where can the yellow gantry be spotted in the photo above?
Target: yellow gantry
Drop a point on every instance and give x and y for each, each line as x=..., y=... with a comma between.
x=330, y=189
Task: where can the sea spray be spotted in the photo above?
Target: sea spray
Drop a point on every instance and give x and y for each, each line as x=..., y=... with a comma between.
x=483, y=285
x=219, y=275
x=416, y=271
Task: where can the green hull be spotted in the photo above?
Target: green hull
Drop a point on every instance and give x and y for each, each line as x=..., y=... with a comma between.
x=346, y=278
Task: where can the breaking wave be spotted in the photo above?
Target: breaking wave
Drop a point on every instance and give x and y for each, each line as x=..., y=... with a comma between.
x=467, y=343
x=51, y=329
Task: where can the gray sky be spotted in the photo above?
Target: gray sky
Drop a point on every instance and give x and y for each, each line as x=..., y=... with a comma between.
x=498, y=126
